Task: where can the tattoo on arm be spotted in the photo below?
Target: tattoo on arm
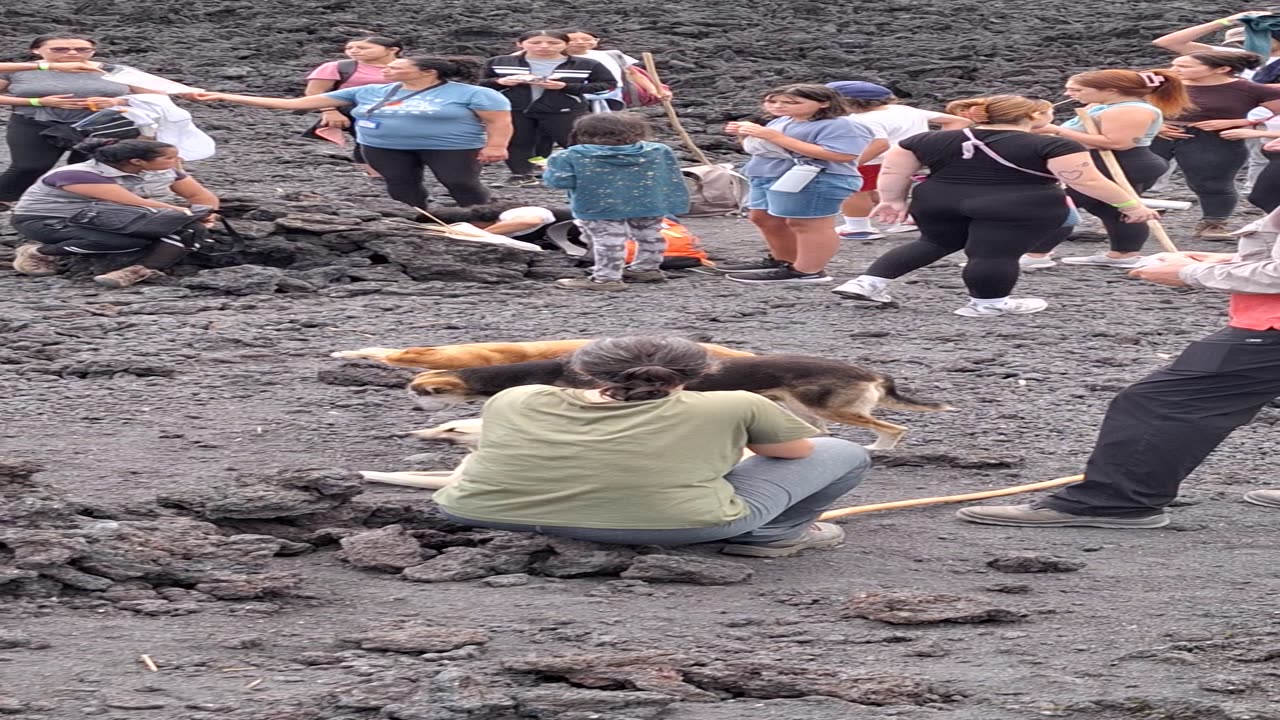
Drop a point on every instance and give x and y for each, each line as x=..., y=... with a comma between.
x=1070, y=175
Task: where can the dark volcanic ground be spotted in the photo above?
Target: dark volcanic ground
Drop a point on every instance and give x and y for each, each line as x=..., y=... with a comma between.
x=176, y=390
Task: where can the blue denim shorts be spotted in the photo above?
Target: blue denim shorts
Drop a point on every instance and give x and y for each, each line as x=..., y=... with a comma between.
x=821, y=198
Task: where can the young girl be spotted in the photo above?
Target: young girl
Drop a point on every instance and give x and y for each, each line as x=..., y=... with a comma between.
x=620, y=187
x=547, y=90
x=366, y=58
x=811, y=136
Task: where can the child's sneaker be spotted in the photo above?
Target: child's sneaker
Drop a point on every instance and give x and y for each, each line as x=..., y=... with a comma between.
x=644, y=276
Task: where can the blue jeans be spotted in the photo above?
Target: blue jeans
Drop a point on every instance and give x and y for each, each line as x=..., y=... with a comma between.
x=820, y=198
x=783, y=497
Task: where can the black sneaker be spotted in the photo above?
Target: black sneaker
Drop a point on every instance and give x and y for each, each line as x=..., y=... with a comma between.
x=765, y=263
x=522, y=181
x=784, y=274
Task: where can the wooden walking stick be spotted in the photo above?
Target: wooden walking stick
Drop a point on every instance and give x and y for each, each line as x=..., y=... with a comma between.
x=1117, y=176
x=919, y=502
x=674, y=119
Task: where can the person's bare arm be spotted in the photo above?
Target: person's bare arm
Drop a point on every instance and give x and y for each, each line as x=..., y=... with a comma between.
x=895, y=174
x=793, y=450
x=1080, y=174
x=117, y=194
x=873, y=150
x=497, y=133
x=1119, y=129
x=518, y=224
x=1184, y=41
x=314, y=102
x=193, y=192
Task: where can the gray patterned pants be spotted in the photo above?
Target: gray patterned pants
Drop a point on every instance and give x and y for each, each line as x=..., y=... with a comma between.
x=609, y=238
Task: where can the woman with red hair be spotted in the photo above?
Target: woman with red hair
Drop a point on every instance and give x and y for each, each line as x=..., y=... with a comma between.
x=1129, y=108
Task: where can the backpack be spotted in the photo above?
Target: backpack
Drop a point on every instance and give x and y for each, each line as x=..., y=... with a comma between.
x=346, y=68
x=715, y=190
x=109, y=123
x=684, y=250
x=632, y=94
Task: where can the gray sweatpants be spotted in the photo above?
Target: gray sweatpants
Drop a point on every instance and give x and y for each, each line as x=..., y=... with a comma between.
x=783, y=497
x=609, y=238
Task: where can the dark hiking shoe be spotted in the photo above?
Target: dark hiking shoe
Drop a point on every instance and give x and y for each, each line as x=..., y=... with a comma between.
x=29, y=262
x=765, y=263
x=1032, y=516
x=1266, y=498
x=1216, y=230
x=127, y=276
x=644, y=276
x=784, y=274
x=818, y=535
x=522, y=181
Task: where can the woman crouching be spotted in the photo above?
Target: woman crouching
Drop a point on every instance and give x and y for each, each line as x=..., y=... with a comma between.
x=639, y=460
x=119, y=172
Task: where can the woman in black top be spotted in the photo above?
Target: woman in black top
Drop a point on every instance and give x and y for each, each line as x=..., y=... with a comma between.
x=546, y=89
x=992, y=191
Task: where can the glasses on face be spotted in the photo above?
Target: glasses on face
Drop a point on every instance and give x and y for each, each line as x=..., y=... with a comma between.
x=68, y=50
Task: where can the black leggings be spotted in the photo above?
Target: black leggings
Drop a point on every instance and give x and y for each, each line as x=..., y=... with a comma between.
x=1142, y=168
x=1210, y=165
x=993, y=224
x=457, y=170
x=529, y=127
x=1266, y=189
x=60, y=239
x=30, y=156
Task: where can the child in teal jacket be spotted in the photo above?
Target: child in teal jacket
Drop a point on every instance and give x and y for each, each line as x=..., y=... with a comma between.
x=620, y=188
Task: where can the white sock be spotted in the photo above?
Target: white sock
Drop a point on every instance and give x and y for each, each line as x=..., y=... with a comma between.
x=983, y=302
x=876, y=283
x=857, y=224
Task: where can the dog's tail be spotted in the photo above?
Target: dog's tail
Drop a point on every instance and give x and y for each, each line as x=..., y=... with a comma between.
x=890, y=397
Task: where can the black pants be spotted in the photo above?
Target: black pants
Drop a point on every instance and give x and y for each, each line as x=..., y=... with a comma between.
x=1158, y=430
x=1266, y=189
x=1142, y=168
x=525, y=140
x=60, y=239
x=993, y=224
x=1210, y=165
x=30, y=156
x=457, y=170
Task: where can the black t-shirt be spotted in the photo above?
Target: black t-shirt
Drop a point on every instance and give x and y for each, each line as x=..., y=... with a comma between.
x=942, y=153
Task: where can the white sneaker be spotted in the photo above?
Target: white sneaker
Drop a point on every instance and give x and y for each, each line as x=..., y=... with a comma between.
x=1104, y=260
x=859, y=290
x=900, y=228
x=1012, y=306
x=1026, y=262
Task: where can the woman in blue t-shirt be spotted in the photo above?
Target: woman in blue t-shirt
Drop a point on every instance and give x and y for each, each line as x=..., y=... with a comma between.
x=427, y=116
x=812, y=142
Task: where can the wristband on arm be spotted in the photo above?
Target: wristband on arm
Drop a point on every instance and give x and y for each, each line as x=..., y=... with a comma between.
x=35, y=102
x=42, y=66
x=1126, y=204
x=1225, y=22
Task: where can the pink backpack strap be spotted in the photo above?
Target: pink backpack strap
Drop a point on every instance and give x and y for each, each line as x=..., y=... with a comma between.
x=967, y=148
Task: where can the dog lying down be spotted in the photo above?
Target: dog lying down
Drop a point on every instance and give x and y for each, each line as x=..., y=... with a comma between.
x=815, y=389
x=453, y=357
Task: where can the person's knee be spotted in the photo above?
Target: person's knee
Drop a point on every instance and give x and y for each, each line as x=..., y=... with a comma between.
x=763, y=220
x=849, y=457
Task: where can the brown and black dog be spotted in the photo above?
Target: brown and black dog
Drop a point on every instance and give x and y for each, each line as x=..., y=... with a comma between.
x=453, y=357
x=810, y=387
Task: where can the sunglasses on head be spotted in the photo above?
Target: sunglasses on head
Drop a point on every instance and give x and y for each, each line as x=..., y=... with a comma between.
x=71, y=49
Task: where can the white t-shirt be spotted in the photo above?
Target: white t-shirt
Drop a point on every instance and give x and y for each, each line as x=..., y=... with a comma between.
x=894, y=123
x=607, y=59
x=546, y=216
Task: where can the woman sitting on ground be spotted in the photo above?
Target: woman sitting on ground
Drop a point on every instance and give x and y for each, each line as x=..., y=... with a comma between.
x=124, y=172
x=425, y=116
x=640, y=461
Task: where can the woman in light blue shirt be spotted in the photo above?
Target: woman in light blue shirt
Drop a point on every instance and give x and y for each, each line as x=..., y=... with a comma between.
x=426, y=116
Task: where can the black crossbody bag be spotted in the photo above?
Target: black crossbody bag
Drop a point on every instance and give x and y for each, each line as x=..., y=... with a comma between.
x=145, y=222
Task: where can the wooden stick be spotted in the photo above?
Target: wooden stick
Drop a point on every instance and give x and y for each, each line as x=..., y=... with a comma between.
x=900, y=504
x=1117, y=176
x=674, y=119
x=151, y=664
x=433, y=218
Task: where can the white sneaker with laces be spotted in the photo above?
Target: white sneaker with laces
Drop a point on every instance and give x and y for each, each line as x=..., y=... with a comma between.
x=1026, y=262
x=857, y=289
x=1011, y=306
x=1104, y=260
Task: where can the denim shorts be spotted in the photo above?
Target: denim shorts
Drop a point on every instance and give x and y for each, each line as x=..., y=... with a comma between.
x=821, y=198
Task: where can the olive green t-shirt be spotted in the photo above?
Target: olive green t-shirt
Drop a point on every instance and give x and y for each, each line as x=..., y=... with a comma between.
x=548, y=456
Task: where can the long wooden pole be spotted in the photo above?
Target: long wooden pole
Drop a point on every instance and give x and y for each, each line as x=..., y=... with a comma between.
x=1117, y=176
x=672, y=117
x=919, y=502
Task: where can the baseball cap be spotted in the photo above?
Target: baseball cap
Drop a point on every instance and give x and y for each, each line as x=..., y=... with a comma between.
x=860, y=90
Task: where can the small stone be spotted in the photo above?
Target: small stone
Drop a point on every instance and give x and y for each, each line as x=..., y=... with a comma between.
x=504, y=581
x=389, y=549
x=913, y=608
x=1034, y=564
x=1009, y=588
x=687, y=569
x=128, y=702
x=417, y=638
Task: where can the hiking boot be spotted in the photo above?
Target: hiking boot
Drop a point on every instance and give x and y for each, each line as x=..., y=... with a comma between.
x=784, y=274
x=765, y=263
x=589, y=284
x=817, y=535
x=644, y=276
x=858, y=289
x=1032, y=516
x=1105, y=260
x=1011, y=306
x=29, y=262
x=522, y=181
x=1215, y=230
x=1026, y=262
x=126, y=276
x=1266, y=498
x=847, y=234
